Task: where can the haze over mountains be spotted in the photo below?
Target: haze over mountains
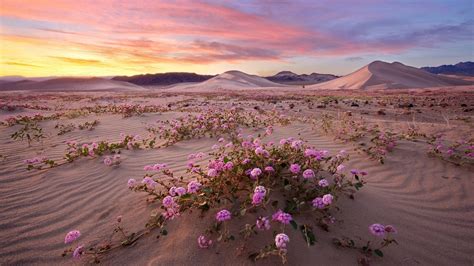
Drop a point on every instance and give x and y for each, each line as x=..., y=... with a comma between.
x=376, y=75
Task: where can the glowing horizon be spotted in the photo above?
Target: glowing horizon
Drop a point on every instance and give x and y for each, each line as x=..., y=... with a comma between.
x=108, y=37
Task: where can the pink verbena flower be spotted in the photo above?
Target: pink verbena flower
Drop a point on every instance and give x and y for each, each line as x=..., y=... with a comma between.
x=78, y=252
x=180, y=191
x=269, y=169
x=228, y=166
x=194, y=187
x=282, y=217
x=255, y=173
x=259, y=195
x=131, y=183
x=295, y=168
x=318, y=203
x=150, y=183
x=377, y=229
x=323, y=183
x=223, y=215
x=72, y=236
x=308, y=174
x=108, y=161
x=172, y=212
x=327, y=199
x=281, y=241
x=203, y=242
x=168, y=202
x=212, y=172
x=340, y=168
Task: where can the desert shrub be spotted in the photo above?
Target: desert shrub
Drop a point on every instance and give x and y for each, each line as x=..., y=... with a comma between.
x=272, y=185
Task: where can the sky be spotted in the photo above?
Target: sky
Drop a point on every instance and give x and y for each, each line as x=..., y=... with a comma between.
x=127, y=37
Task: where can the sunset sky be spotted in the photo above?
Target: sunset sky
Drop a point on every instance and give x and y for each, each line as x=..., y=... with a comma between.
x=107, y=37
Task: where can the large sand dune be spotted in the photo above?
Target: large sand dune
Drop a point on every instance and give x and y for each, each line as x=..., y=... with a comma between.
x=70, y=84
x=230, y=80
x=382, y=75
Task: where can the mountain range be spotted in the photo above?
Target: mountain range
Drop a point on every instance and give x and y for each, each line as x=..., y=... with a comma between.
x=462, y=68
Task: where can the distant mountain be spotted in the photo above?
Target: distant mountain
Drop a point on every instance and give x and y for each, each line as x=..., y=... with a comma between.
x=462, y=68
x=383, y=75
x=290, y=78
x=163, y=78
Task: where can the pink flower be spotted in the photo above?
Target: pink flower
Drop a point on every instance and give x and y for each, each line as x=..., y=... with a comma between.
x=228, y=166
x=172, y=212
x=295, y=168
x=203, y=242
x=308, y=173
x=282, y=217
x=194, y=187
x=263, y=223
x=255, y=173
x=296, y=144
x=281, y=240
x=78, y=252
x=180, y=191
x=340, y=168
x=172, y=191
x=131, y=183
x=327, y=199
x=318, y=203
x=377, y=229
x=108, y=161
x=323, y=183
x=168, y=202
x=269, y=169
x=150, y=183
x=257, y=198
x=259, y=195
x=212, y=172
x=223, y=215
x=72, y=236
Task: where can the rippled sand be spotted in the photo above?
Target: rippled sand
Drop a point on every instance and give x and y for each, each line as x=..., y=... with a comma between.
x=431, y=203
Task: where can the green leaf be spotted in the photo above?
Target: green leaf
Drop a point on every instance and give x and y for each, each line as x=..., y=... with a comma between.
x=308, y=234
x=294, y=225
x=378, y=252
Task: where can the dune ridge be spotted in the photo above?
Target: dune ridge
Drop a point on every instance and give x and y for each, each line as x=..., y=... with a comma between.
x=383, y=75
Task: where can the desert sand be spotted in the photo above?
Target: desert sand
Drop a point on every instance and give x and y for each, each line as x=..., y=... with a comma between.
x=428, y=200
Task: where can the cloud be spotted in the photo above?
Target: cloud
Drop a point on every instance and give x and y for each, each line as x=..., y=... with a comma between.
x=153, y=33
x=78, y=61
x=20, y=64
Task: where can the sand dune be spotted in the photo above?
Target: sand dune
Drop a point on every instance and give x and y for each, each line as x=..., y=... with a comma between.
x=70, y=84
x=230, y=80
x=382, y=75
